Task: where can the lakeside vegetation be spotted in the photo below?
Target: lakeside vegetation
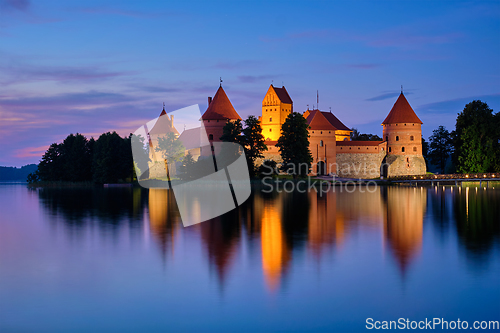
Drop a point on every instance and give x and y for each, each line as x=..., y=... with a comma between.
x=78, y=159
x=16, y=174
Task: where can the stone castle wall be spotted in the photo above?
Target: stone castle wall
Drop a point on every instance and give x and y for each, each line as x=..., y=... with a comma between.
x=355, y=165
x=398, y=165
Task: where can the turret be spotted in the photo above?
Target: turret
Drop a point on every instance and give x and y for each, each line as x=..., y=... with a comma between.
x=402, y=129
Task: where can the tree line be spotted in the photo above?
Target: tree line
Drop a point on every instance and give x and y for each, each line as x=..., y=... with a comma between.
x=78, y=159
x=474, y=144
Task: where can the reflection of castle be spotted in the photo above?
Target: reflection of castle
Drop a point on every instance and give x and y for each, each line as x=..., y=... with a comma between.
x=404, y=217
x=400, y=152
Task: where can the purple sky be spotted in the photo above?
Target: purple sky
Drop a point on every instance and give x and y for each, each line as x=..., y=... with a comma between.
x=97, y=66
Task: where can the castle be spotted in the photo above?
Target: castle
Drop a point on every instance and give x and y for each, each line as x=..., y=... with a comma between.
x=333, y=152
x=400, y=152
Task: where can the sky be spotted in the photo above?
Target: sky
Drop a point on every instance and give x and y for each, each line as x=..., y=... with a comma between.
x=97, y=66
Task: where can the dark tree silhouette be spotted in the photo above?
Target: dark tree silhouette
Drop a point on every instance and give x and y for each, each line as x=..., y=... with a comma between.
x=441, y=147
x=293, y=146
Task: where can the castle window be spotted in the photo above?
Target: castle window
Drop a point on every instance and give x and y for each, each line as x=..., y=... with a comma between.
x=329, y=132
x=321, y=143
x=407, y=160
x=313, y=131
x=274, y=109
x=390, y=149
x=403, y=149
x=411, y=137
x=321, y=132
x=405, y=124
x=270, y=119
x=209, y=121
x=217, y=120
x=349, y=147
x=345, y=139
x=266, y=110
x=397, y=138
x=270, y=130
x=359, y=148
x=414, y=148
x=210, y=137
x=386, y=138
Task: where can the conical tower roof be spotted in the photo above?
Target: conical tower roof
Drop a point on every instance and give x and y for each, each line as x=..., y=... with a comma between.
x=220, y=108
x=401, y=112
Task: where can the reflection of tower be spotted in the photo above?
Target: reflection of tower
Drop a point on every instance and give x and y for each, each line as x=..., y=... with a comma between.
x=405, y=208
x=402, y=130
x=275, y=252
x=220, y=236
x=163, y=216
x=219, y=112
x=325, y=226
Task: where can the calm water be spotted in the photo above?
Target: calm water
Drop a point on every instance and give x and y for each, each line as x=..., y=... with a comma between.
x=118, y=259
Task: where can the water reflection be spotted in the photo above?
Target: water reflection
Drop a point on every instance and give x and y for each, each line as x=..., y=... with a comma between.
x=403, y=222
x=282, y=226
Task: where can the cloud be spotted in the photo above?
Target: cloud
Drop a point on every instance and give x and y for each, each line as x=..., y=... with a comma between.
x=67, y=101
x=233, y=65
x=401, y=39
x=31, y=152
x=120, y=12
x=21, y=73
x=15, y=5
x=458, y=104
x=254, y=78
x=363, y=66
x=387, y=95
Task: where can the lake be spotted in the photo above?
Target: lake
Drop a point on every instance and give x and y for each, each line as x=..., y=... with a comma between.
x=119, y=259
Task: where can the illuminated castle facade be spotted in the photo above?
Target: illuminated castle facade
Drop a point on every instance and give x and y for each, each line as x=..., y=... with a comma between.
x=400, y=152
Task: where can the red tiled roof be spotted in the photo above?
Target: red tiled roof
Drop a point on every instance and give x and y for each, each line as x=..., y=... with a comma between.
x=282, y=95
x=220, y=108
x=319, y=120
x=401, y=112
x=359, y=143
x=335, y=121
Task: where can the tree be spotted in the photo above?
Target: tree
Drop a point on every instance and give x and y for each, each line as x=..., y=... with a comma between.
x=250, y=138
x=172, y=150
x=254, y=140
x=356, y=136
x=476, y=139
x=140, y=155
x=231, y=132
x=50, y=167
x=186, y=169
x=441, y=147
x=77, y=159
x=112, y=159
x=293, y=146
x=425, y=152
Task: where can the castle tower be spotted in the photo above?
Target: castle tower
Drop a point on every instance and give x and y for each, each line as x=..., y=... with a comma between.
x=219, y=111
x=402, y=130
x=276, y=106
